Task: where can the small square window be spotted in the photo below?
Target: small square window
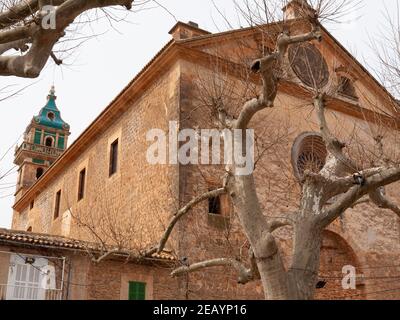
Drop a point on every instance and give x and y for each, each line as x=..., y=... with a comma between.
x=137, y=291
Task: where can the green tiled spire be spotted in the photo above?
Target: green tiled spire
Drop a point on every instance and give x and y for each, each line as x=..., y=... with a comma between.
x=50, y=116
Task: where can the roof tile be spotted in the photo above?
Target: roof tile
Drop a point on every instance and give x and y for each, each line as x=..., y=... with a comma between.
x=40, y=239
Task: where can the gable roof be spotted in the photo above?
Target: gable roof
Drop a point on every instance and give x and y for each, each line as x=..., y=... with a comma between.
x=328, y=37
x=160, y=63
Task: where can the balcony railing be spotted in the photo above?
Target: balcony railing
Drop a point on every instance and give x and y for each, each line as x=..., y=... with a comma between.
x=28, y=292
x=25, y=146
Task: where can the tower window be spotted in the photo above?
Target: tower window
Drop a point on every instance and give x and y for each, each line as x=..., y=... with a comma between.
x=81, y=186
x=113, y=158
x=57, y=205
x=39, y=172
x=49, y=141
x=51, y=116
x=32, y=204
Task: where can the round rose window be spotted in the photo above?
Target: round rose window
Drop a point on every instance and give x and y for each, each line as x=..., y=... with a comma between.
x=308, y=153
x=309, y=65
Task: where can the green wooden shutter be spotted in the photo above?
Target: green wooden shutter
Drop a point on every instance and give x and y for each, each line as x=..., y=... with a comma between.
x=137, y=291
x=60, y=142
x=38, y=136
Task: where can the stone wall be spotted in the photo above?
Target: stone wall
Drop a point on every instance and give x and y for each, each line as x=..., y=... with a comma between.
x=364, y=237
x=129, y=207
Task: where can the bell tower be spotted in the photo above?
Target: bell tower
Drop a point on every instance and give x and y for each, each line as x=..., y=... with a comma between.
x=45, y=139
x=296, y=9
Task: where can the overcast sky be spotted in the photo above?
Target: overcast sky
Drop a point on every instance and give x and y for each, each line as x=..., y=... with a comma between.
x=101, y=67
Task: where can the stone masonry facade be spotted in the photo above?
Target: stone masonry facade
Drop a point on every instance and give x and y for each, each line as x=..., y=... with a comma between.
x=132, y=207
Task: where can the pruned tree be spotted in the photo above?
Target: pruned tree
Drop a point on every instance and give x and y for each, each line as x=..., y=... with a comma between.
x=342, y=178
x=33, y=28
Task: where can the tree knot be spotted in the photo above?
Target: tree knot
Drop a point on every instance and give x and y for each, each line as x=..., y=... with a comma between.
x=359, y=179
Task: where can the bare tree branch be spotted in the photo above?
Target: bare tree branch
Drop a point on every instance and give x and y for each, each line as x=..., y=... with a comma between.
x=266, y=67
x=30, y=64
x=245, y=275
x=55, y=59
x=338, y=164
x=281, y=222
x=18, y=12
x=17, y=44
x=179, y=214
x=384, y=177
x=105, y=255
x=379, y=199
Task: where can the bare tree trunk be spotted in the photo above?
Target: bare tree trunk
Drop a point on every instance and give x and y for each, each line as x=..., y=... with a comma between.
x=273, y=278
x=307, y=237
x=303, y=274
x=267, y=255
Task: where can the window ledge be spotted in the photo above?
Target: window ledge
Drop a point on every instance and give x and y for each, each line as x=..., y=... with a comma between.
x=348, y=98
x=218, y=221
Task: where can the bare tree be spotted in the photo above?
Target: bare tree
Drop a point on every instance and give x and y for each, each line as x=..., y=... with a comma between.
x=387, y=48
x=34, y=27
x=343, y=177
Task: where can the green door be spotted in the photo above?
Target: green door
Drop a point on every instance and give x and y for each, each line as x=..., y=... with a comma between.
x=137, y=291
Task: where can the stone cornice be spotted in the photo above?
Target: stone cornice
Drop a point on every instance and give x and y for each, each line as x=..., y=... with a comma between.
x=292, y=89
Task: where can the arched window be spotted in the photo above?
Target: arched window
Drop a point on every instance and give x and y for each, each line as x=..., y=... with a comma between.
x=39, y=172
x=29, y=229
x=308, y=153
x=49, y=141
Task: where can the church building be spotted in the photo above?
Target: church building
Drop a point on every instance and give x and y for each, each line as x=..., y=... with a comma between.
x=85, y=213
